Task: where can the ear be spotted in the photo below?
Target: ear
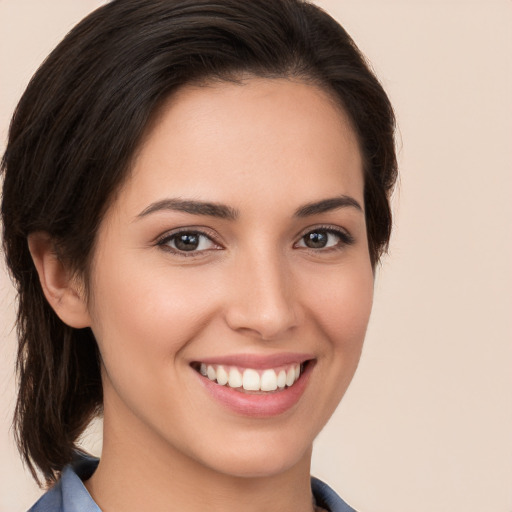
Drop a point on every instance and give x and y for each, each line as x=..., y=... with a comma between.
x=61, y=288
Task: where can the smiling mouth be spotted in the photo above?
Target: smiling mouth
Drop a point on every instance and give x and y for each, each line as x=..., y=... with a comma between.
x=250, y=380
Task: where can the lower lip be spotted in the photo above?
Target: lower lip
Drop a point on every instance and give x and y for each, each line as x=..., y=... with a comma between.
x=258, y=405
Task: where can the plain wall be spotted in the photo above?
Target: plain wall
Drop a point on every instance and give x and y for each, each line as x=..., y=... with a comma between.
x=427, y=422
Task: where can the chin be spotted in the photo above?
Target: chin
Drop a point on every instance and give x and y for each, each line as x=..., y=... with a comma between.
x=260, y=457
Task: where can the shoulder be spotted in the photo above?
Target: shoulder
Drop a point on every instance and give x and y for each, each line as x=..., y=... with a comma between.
x=69, y=493
x=327, y=499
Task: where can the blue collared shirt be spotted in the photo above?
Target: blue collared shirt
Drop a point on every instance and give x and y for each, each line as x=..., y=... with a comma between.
x=70, y=495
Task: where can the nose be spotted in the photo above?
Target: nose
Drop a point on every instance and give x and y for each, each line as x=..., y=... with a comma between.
x=262, y=298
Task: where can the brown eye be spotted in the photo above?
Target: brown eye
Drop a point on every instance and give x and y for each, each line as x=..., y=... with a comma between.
x=187, y=242
x=316, y=239
x=325, y=239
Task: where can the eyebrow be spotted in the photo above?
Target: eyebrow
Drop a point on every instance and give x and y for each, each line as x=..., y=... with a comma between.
x=327, y=205
x=193, y=207
x=223, y=211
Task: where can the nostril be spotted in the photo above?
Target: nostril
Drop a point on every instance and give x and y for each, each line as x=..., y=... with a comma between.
x=265, y=325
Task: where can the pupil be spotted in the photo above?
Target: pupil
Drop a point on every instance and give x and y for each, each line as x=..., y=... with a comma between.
x=316, y=240
x=187, y=242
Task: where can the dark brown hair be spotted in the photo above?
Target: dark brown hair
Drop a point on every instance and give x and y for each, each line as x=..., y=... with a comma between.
x=74, y=134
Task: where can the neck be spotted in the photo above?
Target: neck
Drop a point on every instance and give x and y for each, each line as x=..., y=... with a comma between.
x=150, y=475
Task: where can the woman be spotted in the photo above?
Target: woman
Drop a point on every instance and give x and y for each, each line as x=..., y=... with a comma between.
x=195, y=201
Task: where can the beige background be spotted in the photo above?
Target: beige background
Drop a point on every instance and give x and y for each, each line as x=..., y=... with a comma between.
x=427, y=423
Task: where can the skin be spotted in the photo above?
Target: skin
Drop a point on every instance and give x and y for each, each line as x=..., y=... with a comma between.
x=264, y=148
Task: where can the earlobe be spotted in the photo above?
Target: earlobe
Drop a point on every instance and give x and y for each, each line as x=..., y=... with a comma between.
x=60, y=286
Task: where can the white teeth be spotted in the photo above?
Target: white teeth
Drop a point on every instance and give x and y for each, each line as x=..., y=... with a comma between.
x=251, y=380
x=235, y=378
x=222, y=376
x=281, y=379
x=212, y=374
x=268, y=381
x=290, y=376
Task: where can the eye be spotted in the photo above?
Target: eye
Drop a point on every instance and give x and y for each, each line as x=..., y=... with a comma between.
x=184, y=242
x=325, y=238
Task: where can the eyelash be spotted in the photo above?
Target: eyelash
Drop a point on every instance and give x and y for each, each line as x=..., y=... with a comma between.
x=166, y=239
x=345, y=239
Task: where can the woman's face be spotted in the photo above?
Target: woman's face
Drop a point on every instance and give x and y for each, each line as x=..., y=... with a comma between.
x=237, y=248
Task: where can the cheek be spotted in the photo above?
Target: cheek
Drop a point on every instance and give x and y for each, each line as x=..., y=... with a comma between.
x=343, y=308
x=339, y=309
x=143, y=317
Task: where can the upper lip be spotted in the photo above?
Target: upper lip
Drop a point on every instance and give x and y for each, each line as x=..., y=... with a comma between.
x=257, y=361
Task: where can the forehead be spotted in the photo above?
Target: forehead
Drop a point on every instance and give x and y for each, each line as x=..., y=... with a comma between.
x=258, y=137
